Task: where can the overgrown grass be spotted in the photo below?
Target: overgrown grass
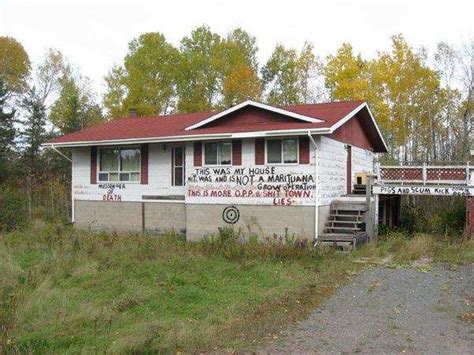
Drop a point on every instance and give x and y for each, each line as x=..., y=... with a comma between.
x=67, y=290
x=405, y=249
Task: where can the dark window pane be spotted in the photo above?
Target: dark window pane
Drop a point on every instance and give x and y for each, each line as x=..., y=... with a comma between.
x=274, y=151
x=225, y=153
x=210, y=152
x=124, y=176
x=108, y=159
x=290, y=151
x=103, y=177
x=178, y=156
x=178, y=176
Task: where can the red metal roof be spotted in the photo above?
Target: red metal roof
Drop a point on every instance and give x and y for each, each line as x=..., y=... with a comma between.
x=174, y=125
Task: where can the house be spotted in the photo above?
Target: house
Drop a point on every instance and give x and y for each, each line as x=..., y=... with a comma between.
x=266, y=169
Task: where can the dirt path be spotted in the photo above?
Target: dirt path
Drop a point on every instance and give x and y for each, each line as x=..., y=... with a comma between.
x=392, y=311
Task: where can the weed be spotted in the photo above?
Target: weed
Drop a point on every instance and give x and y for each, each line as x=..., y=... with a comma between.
x=64, y=290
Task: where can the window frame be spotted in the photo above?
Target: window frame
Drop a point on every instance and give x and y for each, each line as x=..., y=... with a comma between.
x=218, y=151
x=281, y=154
x=173, y=166
x=129, y=172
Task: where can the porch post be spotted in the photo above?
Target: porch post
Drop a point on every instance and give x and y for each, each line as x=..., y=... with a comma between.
x=469, y=229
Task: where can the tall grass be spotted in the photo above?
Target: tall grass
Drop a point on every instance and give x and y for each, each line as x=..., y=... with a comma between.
x=64, y=290
x=69, y=290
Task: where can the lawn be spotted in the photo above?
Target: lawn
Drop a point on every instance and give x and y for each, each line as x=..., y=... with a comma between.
x=67, y=290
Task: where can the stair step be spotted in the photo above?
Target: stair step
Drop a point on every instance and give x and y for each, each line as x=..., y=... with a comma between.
x=337, y=236
x=346, y=213
x=345, y=231
x=343, y=223
x=349, y=206
x=352, y=216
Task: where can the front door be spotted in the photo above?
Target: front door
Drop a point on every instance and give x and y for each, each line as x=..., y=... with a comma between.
x=349, y=169
x=178, y=168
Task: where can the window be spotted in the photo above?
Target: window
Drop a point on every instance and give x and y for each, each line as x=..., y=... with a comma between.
x=119, y=164
x=178, y=159
x=282, y=151
x=218, y=153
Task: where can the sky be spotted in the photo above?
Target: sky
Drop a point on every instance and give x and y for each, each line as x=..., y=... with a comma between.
x=94, y=35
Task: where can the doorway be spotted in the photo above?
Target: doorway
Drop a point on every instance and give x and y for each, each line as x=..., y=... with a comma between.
x=178, y=168
x=348, y=169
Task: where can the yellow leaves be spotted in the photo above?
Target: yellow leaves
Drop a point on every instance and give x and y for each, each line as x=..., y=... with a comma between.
x=241, y=84
x=403, y=92
x=14, y=64
x=346, y=75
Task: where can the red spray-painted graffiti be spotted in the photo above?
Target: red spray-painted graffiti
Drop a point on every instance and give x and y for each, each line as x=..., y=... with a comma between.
x=110, y=194
x=280, y=186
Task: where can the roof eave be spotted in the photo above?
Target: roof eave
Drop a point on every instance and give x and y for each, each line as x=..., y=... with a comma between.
x=188, y=138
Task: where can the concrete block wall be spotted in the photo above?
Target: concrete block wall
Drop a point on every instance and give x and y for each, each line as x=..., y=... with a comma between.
x=162, y=217
x=112, y=216
x=130, y=216
x=204, y=220
x=196, y=220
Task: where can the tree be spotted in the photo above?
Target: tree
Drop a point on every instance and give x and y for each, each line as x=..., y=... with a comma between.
x=7, y=131
x=14, y=64
x=151, y=71
x=236, y=64
x=410, y=90
x=289, y=77
x=240, y=85
x=116, y=93
x=34, y=129
x=75, y=109
x=198, y=81
x=147, y=79
x=49, y=73
x=280, y=77
x=309, y=70
x=346, y=75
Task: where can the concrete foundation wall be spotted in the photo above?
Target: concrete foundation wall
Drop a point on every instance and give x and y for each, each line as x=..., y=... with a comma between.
x=323, y=217
x=162, y=217
x=128, y=216
x=197, y=220
x=100, y=215
x=203, y=220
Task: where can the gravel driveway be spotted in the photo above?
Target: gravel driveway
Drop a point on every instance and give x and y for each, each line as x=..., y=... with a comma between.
x=392, y=311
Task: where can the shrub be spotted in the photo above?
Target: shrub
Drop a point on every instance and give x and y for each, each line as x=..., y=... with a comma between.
x=13, y=210
x=233, y=244
x=451, y=220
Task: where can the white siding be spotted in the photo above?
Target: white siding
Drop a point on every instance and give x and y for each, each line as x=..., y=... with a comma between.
x=332, y=167
x=159, y=177
x=332, y=174
x=332, y=170
x=362, y=161
x=243, y=184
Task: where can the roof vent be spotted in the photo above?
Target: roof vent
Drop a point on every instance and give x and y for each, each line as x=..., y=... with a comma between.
x=133, y=113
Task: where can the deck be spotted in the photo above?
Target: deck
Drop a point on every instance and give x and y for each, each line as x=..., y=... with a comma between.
x=439, y=180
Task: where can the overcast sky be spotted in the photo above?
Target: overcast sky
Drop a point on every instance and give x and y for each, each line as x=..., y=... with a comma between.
x=94, y=34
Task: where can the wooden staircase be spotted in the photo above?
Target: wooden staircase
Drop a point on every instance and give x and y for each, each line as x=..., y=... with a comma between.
x=359, y=189
x=345, y=226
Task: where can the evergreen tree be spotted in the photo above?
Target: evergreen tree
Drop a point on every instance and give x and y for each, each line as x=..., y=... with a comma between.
x=7, y=131
x=34, y=129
